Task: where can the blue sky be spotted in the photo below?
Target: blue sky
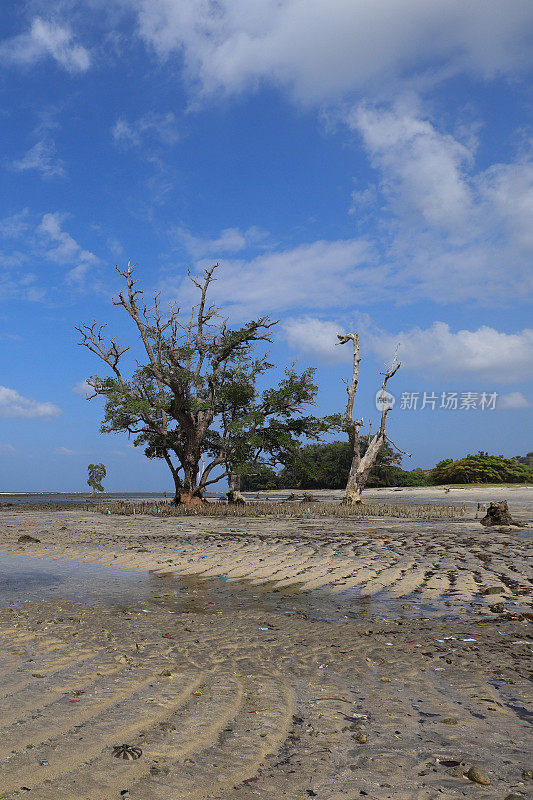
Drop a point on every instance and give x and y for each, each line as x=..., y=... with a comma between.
x=351, y=165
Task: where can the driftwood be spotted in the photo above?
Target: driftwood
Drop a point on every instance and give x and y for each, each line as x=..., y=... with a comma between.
x=308, y=498
x=499, y=514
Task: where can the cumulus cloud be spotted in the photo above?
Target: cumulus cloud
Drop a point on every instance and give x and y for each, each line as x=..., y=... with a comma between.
x=45, y=39
x=446, y=232
x=19, y=283
x=15, y=225
x=42, y=157
x=148, y=128
x=316, y=337
x=30, y=238
x=13, y=404
x=321, y=49
x=513, y=400
x=422, y=169
x=484, y=352
x=450, y=233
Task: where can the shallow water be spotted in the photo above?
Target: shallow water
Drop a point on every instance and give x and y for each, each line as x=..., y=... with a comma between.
x=25, y=578
x=72, y=498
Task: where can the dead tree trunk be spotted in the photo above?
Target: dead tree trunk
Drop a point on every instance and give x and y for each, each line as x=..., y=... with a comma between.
x=361, y=465
x=499, y=514
x=234, y=485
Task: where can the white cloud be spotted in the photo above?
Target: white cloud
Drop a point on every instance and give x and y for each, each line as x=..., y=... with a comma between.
x=484, y=352
x=322, y=49
x=422, y=169
x=6, y=449
x=150, y=127
x=64, y=451
x=66, y=249
x=115, y=246
x=30, y=239
x=14, y=226
x=83, y=389
x=43, y=158
x=445, y=232
x=319, y=274
x=230, y=240
x=45, y=39
x=513, y=400
x=316, y=337
x=18, y=283
x=13, y=404
x=450, y=233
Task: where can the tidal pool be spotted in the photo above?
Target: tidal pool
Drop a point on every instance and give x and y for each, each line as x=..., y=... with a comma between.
x=26, y=578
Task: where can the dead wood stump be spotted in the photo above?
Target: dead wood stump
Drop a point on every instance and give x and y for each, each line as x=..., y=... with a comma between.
x=499, y=514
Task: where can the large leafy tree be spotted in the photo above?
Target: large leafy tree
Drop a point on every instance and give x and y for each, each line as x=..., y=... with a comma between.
x=195, y=401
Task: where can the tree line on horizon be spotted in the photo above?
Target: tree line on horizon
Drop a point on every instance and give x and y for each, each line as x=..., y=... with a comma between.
x=326, y=466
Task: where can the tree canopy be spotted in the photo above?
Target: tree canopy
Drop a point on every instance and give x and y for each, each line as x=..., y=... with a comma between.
x=481, y=468
x=95, y=475
x=324, y=466
x=195, y=402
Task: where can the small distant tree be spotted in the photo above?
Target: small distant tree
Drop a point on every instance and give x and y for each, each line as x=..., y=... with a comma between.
x=97, y=473
x=195, y=401
x=527, y=459
x=361, y=465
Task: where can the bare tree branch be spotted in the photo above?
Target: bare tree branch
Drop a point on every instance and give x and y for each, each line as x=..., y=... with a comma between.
x=361, y=465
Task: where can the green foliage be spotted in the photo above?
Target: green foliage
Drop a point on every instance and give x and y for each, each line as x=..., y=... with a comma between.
x=412, y=477
x=482, y=468
x=527, y=459
x=324, y=466
x=196, y=400
x=256, y=477
x=97, y=473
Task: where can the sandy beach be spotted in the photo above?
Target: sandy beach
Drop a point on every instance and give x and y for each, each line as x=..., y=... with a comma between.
x=266, y=657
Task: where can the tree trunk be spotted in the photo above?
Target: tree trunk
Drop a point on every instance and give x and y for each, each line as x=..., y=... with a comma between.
x=177, y=487
x=353, y=491
x=190, y=494
x=360, y=470
x=361, y=465
x=234, y=484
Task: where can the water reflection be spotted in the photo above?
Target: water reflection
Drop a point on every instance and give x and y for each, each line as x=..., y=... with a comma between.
x=26, y=578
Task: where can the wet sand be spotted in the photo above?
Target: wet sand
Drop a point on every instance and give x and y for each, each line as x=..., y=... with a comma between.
x=264, y=658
